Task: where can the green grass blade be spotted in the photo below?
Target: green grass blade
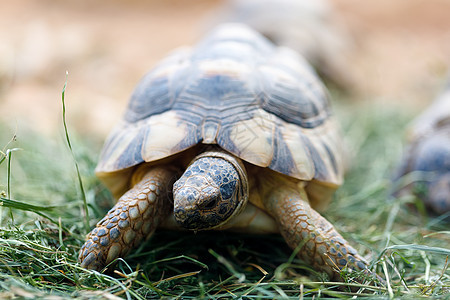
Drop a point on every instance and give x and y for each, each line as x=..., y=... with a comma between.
x=436, y=250
x=204, y=266
x=24, y=206
x=39, y=210
x=8, y=173
x=8, y=181
x=80, y=182
x=8, y=155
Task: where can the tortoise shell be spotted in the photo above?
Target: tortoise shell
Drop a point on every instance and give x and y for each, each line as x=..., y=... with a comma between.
x=235, y=89
x=435, y=117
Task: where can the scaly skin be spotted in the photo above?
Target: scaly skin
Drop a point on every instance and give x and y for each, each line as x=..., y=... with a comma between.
x=135, y=217
x=140, y=210
x=321, y=245
x=211, y=191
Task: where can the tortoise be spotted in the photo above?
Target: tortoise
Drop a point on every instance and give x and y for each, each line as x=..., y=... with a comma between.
x=427, y=156
x=313, y=28
x=232, y=134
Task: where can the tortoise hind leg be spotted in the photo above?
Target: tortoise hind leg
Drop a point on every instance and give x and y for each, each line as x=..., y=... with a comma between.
x=135, y=217
x=321, y=245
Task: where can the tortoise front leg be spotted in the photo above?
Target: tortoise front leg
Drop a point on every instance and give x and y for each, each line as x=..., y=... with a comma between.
x=321, y=245
x=135, y=217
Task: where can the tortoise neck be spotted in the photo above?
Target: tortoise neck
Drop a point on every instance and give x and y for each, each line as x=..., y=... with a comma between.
x=265, y=183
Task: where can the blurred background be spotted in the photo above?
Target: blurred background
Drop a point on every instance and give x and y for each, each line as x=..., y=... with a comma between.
x=399, y=54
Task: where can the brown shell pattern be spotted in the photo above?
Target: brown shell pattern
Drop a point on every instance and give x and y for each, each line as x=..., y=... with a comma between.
x=235, y=89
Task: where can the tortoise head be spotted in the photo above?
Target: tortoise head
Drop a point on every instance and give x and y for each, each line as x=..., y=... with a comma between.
x=211, y=191
x=432, y=160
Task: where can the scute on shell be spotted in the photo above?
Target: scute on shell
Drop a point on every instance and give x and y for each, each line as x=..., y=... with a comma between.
x=235, y=89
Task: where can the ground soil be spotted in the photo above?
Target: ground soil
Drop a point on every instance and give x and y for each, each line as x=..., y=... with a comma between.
x=400, y=54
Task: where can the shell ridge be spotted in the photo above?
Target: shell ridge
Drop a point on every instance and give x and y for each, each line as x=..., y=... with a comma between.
x=261, y=103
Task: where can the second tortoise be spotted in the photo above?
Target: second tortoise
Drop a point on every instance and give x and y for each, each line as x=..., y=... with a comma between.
x=427, y=156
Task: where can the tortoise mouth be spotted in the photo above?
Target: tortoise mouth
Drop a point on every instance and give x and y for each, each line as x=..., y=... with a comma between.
x=436, y=195
x=192, y=218
x=188, y=218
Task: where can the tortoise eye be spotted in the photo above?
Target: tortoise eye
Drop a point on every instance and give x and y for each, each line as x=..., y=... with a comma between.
x=210, y=204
